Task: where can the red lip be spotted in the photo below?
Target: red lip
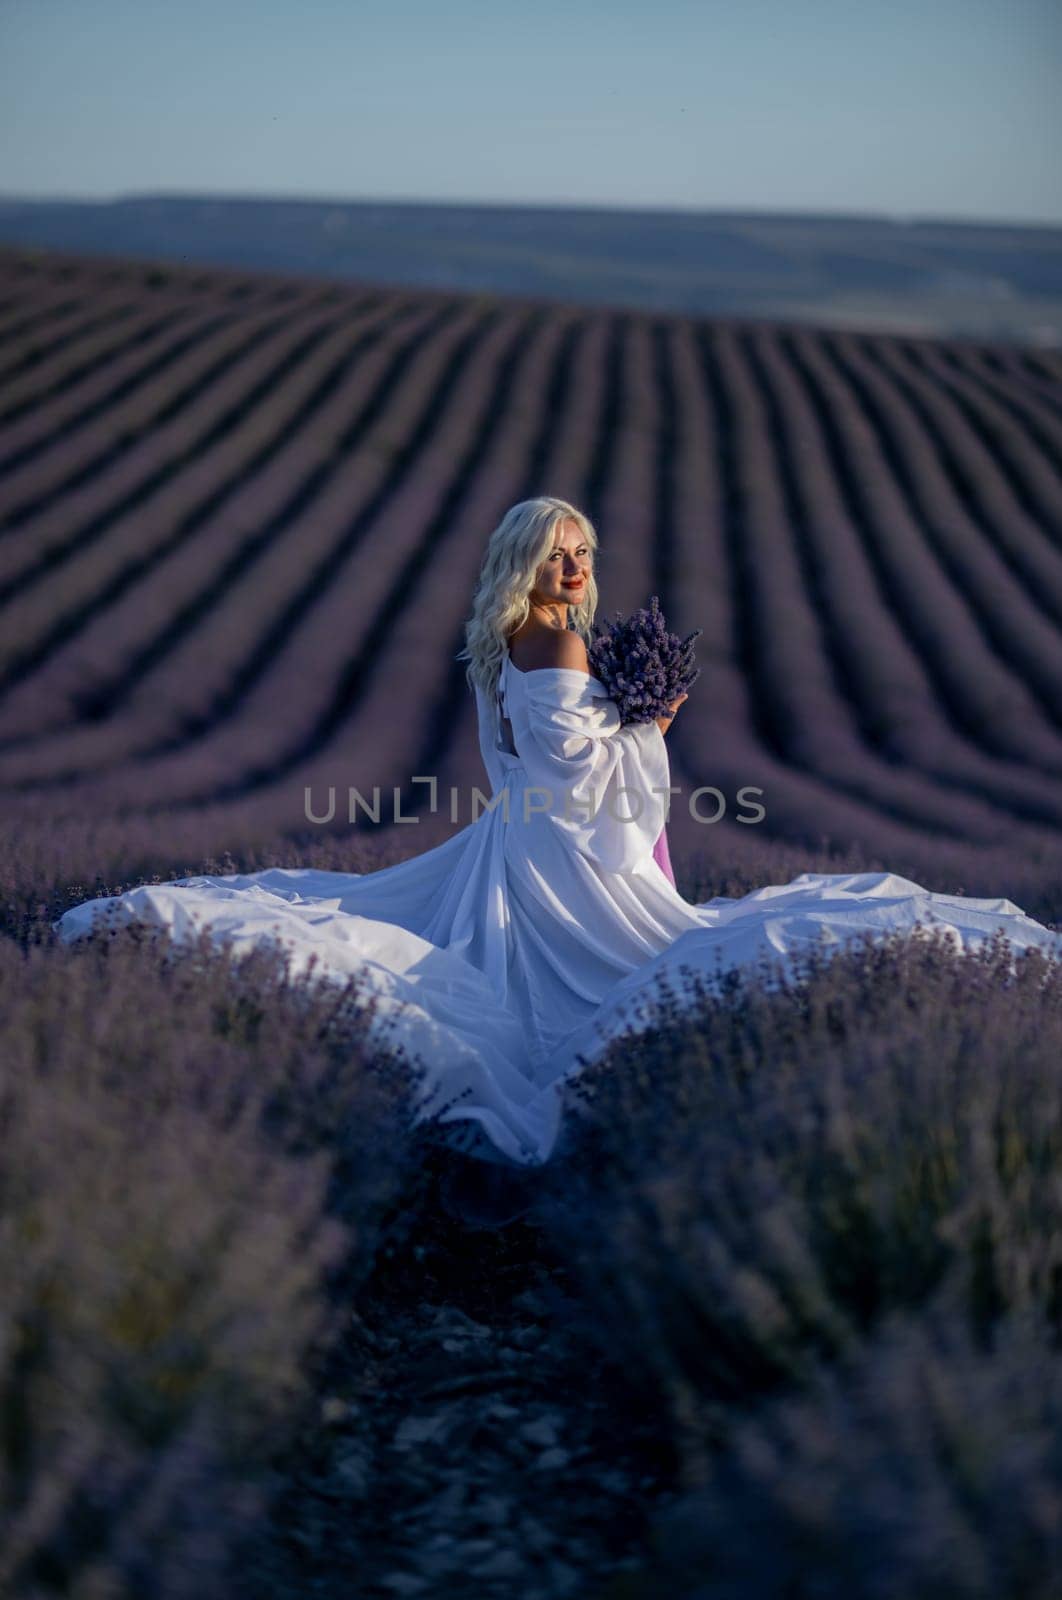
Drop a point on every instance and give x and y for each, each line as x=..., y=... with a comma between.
x=572, y=583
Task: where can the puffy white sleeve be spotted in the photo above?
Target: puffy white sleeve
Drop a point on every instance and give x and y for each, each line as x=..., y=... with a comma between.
x=608, y=784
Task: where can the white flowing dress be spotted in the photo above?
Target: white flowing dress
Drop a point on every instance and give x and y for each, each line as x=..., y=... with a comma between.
x=513, y=953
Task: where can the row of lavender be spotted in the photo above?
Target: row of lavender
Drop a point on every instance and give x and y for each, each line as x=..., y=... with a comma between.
x=817, y=1238
x=201, y=1165
x=812, y=1234
x=91, y=578
x=229, y=526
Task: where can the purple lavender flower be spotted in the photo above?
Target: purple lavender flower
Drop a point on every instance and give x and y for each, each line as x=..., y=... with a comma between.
x=643, y=666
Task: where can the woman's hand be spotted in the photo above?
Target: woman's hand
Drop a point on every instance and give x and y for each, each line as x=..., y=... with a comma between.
x=664, y=723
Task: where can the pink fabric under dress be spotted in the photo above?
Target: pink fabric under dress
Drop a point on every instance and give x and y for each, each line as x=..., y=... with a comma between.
x=662, y=856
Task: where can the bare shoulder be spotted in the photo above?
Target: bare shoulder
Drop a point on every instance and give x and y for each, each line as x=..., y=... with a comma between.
x=555, y=647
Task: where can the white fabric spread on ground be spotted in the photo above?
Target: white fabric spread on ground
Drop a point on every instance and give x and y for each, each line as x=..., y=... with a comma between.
x=536, y=935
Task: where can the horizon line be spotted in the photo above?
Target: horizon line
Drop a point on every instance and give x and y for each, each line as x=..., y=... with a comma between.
x=637, y=208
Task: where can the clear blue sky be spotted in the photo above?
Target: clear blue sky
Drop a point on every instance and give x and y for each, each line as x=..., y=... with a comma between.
x=924, y=108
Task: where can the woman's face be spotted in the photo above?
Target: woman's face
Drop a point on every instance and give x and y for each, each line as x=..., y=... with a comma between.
x=563, y=576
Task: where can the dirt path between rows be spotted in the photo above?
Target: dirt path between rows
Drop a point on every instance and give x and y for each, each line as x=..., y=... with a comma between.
x=467, y=1442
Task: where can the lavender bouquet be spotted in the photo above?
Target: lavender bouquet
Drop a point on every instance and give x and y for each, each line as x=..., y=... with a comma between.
x=643, y=666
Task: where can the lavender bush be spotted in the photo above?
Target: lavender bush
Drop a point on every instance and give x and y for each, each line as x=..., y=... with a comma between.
x=49, y=863
x=642, y=664
x=195, y=1150
x=756, y=1183
x=928, y=1465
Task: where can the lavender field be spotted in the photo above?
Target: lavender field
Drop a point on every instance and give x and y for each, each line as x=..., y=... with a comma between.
x=241, y=518
x=245, y=1348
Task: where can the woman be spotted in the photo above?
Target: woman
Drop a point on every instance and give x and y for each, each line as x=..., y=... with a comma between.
x=523, y=943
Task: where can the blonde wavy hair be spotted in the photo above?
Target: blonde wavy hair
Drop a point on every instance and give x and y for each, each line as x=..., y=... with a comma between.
x=515, y=551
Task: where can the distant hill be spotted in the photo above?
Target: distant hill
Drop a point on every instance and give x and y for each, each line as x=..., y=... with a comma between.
x=941, y=279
